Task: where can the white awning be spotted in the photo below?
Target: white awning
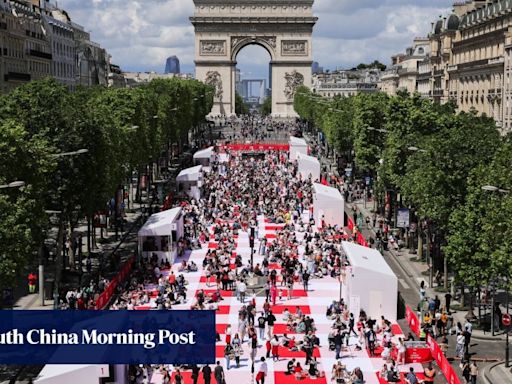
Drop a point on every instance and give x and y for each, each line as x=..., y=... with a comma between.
x=324, y=190
x=204, y=153
x=368, y=259
x=297, y=142
x=72, y=373
x=161, y=224
x=190, y=174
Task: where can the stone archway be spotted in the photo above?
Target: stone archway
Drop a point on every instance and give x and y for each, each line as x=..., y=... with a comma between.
x=282, y=27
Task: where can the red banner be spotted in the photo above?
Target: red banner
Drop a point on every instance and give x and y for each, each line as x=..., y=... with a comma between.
x=442, y=361
x=350, y=224
x=412, y=320
x=109, y=291
x=255, y=147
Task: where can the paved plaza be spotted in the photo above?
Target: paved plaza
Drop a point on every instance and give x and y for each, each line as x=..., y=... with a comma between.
x=314, y=302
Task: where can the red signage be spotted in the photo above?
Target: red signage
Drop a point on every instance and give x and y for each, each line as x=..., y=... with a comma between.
x=418, y=355
x=505, y=319
x=412, y=320
x=254, y=147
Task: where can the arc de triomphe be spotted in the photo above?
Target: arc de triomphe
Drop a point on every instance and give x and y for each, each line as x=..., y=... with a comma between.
x=282, y=27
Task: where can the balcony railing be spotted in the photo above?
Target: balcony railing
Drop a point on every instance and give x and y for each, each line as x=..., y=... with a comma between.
x=41, y=54
x=17, y=76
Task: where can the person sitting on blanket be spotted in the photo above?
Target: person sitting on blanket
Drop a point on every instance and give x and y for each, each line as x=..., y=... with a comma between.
x=285, y=340
x=299, y=372
x=289, y=367
x=292, y=345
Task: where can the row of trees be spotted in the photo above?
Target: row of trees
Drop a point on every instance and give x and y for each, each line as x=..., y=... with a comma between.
x=437, y=161
x=122, y=129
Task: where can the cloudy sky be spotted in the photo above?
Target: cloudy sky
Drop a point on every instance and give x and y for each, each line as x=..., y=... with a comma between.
x=140, y=34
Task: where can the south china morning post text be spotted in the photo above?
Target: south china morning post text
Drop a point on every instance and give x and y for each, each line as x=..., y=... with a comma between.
x=93, y=337
x=107, y=337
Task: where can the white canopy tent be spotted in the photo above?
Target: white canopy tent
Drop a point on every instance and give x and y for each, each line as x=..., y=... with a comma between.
x=204, y=157
x=78, y=374
x=160, y=235
x=297, y=145
x=369, y=283
x=190, y=181
x=329, y=204
x=308, y=165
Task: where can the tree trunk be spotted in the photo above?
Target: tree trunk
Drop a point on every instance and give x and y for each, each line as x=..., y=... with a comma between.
x=89, y=234
x=59, y=256
x=71, y=254
x=445, y=279
x=420, y=245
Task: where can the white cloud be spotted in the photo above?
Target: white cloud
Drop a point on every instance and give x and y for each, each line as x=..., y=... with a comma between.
x=140, y=34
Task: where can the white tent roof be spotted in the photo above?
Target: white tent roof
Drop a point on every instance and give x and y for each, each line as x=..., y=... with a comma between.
x=204, y=153
x=64, y=374
x=307, y=158
x=190, y=174
x=297, y=141
x=366, y=258
x=160, y=224
x=327, y=191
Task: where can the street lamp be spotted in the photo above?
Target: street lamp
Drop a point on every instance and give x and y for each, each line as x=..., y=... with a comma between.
x=14, y=184
x=416, y=149
x=74, y=153
x=381, y=130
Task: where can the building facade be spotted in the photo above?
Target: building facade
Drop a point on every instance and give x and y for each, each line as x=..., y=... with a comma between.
x=346, y=83
x=172, y=65
x=25, y=51
x=469, y=61
x=38, y=39
x=404, y=71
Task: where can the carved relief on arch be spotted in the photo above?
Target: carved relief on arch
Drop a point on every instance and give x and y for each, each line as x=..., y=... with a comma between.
x=238, y=42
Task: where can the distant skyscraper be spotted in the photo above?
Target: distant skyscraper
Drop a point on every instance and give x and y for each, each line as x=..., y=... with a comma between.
x=315, y=67
x=172, y=65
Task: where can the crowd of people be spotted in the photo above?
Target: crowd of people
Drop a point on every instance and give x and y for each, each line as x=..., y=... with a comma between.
x=235, y=196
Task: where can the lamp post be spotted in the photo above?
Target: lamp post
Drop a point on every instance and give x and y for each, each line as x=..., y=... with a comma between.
x=14, y=184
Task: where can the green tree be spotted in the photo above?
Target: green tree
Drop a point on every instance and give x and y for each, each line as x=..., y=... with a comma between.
x=240, y=106
x=22, y=211
x=266, y=107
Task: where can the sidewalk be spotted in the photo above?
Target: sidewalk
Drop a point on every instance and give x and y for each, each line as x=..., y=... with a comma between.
x=103, y=247
x=484, y=348
x=417, y=271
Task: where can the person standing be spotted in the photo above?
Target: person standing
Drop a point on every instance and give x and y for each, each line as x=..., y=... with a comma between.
x=338, y=341
x=447, y=301
x=195, y=373
x=473, y=372
x=242, y=287
x=271, y=319
x=32, y=279
x=261, y=325
x=273, y=294
x=219, y=374
x=262, y=372
x=351, y=323
x=305, y=280
x=207, y=374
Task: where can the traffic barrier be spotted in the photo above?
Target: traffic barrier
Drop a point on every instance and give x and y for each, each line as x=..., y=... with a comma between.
x=106, y=295
x=442, y=362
